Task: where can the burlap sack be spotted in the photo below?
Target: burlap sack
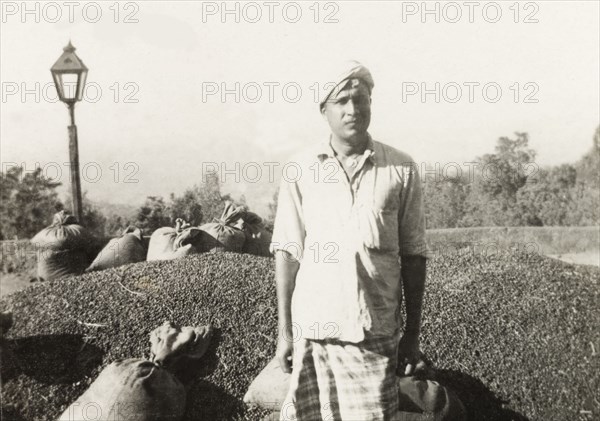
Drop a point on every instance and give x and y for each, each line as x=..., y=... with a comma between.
x=62, y=248
x=129, y=248
x=258, y=239
x=269, y=388
x=6, y=322
x=140, y=390
x=223, y=232
x=133, y=390
x=172, y=243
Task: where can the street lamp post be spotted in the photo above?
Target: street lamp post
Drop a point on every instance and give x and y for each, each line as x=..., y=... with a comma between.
x=69, y=74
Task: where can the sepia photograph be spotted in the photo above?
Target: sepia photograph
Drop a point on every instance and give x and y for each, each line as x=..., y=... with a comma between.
x=300, y=210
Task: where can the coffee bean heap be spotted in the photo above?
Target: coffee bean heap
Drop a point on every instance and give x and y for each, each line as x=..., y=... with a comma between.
x=514, y=335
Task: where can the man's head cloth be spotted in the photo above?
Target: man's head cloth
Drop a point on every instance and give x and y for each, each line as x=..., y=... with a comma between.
x=338, y=78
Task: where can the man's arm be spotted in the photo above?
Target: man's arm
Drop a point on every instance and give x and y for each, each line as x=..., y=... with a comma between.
x=413, y=255
x=413, y=284
x=288, y=231
x=286, y=268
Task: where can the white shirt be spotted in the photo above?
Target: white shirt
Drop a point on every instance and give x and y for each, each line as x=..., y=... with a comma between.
x=348, y=236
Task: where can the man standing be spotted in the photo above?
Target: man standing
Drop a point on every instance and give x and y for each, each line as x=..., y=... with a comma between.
x=354, y=208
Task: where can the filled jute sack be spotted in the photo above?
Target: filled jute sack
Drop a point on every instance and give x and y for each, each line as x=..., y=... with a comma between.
x=62, y=248
x=172, y=243
x=129, y=248
x=258, y=239
x=131, y=389
x=6, y=321
x=142, y=390
x=419, y=400
x=223, y=232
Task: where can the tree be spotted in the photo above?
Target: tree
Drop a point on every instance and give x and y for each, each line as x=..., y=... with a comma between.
x=548, y=201
x=565, y=194
x=506, y=171
x=115, y=224
x=93, y=218
x=588, y=167
x=444, y=199
x=29, y=202
x=187, y=207
x=587, y=190
x=201, y=203
x=210, y=198
x=492, y=200
x=153, y=214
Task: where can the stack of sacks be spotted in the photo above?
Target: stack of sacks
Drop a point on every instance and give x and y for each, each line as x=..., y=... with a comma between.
x=258, y=239
x=62, y=248
x=223, y=232
x=144, y=390
x=129, y=248
x=171, y=243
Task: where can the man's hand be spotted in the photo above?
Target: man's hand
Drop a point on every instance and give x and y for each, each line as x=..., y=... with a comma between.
x=413, y=281
x=410, y=357
x=285, y=348
x=286, y=269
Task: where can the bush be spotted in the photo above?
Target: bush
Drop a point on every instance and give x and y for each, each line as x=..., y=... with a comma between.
x=28, y=202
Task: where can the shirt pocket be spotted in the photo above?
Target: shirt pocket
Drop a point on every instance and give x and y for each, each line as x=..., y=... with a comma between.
x=378, y=228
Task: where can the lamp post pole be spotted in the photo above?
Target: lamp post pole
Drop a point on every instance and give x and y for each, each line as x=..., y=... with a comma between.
x=74, y=168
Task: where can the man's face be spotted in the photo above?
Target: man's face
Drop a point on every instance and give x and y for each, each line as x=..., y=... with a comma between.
x=349, y=112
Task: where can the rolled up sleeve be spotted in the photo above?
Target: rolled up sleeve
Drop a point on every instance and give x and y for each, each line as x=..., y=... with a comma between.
x=411, y=217
x=289, y=230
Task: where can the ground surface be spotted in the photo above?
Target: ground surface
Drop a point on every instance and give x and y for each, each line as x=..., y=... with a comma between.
x=515, y=335
x=585, y=258
x=13, y=282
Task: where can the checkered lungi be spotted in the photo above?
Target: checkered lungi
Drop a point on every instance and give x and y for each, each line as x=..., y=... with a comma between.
x=335, y=380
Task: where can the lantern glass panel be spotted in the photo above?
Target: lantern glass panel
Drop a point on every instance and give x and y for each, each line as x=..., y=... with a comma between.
x=81, y=85
x=58, y=85
x=69, y=85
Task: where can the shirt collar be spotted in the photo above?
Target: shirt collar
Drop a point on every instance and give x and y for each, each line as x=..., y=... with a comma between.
x=325, y=150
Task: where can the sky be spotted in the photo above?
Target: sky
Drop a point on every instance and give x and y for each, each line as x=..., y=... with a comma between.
x=178, y=88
